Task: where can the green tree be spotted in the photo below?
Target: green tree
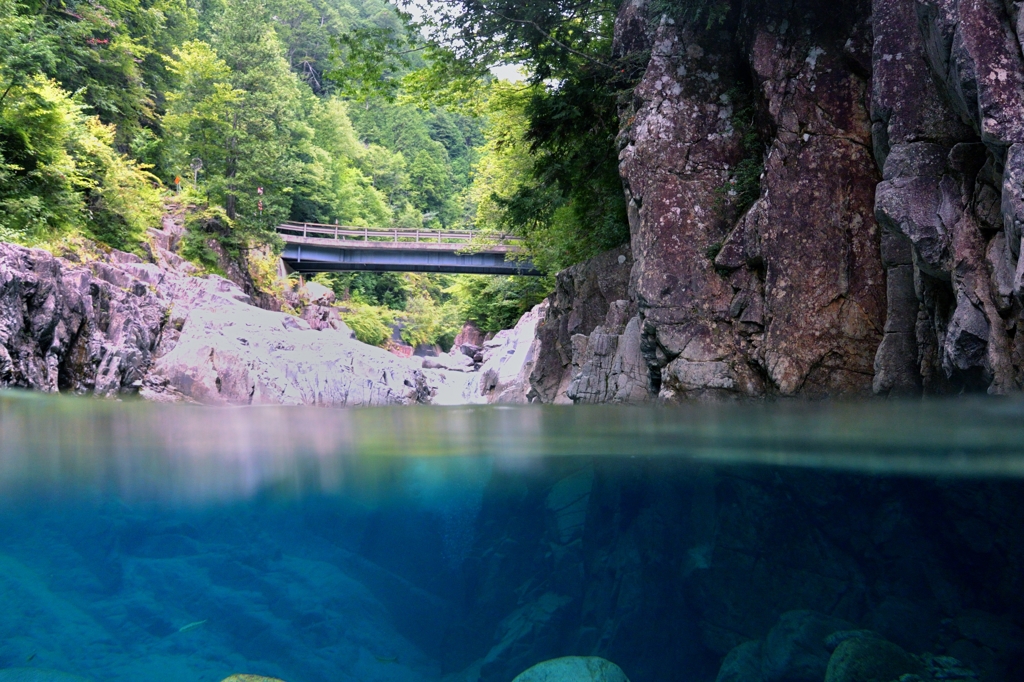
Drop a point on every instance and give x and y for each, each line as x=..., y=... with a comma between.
x=496, y=303
x=60, y=173
x=570, y=204
x=200, y=120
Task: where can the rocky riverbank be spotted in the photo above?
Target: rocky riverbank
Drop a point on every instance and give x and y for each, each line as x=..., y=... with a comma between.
x=118, y=325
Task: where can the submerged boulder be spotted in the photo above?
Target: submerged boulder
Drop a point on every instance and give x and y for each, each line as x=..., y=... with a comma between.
x=868, y=659
x=574, y=669
x=742, y=664
x=795, y=649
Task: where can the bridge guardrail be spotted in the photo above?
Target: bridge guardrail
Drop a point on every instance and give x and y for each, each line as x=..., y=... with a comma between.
x=394, y=235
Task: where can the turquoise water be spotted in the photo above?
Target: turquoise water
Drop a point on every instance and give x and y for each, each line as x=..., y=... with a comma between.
x=147, y=542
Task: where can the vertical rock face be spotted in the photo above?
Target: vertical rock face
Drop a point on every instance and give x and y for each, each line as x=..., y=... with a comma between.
x=948, y=117
x=787, y=298
x=882, y=251
x=585, y=296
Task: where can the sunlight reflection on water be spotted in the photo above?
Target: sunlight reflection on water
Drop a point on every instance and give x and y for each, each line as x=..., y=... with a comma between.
x=200, y=453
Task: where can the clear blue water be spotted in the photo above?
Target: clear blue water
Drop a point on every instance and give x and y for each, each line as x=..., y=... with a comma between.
x=159, y=543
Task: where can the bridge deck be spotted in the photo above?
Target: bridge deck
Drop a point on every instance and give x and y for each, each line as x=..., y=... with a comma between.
x=311, y=248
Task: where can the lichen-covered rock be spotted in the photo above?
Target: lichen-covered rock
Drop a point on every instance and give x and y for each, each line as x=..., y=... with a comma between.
x=947, y=103
x=788, y=298
x=574, y=669
x=863, y=659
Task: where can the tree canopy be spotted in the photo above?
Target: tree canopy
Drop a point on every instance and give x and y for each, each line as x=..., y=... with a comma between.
x=354, y=112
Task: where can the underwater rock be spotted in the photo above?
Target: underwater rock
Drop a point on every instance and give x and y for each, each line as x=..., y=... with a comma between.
x=526, y=634
x=795, y=651
x=574, y=669
x=948, y=669
x=742, y=664
x=833, y=641
x=868, y=659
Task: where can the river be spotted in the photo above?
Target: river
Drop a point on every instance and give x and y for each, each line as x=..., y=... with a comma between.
x=153, y=542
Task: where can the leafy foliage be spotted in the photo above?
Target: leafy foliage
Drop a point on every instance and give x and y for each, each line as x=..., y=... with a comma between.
x=744, y=184
x=234, y=101
x=371, y=324
x=711, y=12
x=59, y=172
x=496, y=303
x=567, y=198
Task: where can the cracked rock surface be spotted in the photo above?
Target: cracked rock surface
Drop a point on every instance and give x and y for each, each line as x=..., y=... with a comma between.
x=882, y=252
x=120, y=326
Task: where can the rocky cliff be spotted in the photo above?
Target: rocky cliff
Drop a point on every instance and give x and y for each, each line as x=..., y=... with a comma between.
x=824, y=199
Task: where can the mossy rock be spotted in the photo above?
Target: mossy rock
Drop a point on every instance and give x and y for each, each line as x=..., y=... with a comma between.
x=574, y=669
x=862, y=659
x=250, y=678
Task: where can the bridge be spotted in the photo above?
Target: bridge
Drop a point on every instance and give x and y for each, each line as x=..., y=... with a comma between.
x=313, y=247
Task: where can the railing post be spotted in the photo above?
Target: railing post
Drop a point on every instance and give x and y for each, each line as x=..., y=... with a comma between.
x=396, y=235
x=335, y=232
x=366, y=234
x=304, y=226
x=417, y=235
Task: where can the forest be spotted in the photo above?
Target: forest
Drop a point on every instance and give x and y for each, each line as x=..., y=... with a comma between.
x=250, y=112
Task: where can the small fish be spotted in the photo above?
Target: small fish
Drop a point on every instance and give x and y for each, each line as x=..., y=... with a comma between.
x=30, y=657
x=192, y=626
x=387, y=659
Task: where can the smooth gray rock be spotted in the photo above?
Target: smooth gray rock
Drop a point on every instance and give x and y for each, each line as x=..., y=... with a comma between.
x=509, y=360
x=610, y=367
x=232, y=353
x=574, y=669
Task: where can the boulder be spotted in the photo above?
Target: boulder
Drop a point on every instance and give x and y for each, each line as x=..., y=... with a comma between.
x=742, y=664
x=869, y=659
x=236, y=354
x=795, y=650
x=574, y=669
x=509, y=360
x=470, y=335
x=81, y=328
